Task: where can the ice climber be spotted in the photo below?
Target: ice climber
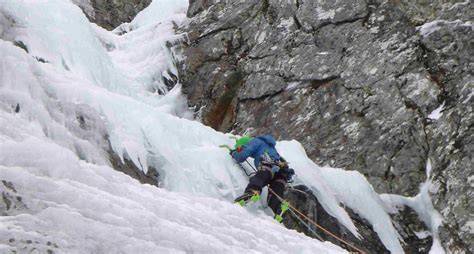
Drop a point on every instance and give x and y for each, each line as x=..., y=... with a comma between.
x=272, y=170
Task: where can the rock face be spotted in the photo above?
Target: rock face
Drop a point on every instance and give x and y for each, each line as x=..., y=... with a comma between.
x=111, y=13
x=356, y=82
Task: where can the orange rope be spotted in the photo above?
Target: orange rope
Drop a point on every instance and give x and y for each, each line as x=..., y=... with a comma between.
x=316, y=224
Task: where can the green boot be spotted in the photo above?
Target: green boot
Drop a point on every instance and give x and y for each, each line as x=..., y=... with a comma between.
x=284, y=207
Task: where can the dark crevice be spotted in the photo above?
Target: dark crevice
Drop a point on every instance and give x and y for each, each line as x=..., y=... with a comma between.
x=338, y=23
x=315, y=84
x=388, y=175
x=259, y=57
x=265, y=6
x=427, y=141
x=370, y=7
x=263, y=97
x=213, y=32
x=297, y=22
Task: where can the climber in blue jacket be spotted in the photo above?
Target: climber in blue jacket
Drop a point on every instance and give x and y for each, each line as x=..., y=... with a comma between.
x=273, y=170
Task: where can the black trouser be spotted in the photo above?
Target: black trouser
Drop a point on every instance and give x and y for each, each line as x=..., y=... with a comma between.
x=277, y=181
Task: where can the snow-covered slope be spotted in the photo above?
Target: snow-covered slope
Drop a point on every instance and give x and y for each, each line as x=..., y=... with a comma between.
x=72, y=87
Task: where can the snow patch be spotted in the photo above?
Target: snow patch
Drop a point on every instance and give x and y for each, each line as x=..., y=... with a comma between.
x=468, y=97
x=261, y=37
x=437, y=113
x=468, y=227
x=286, y=23
x=433, y=26
x=470, y=180
x=422, y=234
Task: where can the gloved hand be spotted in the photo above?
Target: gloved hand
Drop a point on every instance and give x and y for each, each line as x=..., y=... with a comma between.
x=282, y=164
x=231, y=151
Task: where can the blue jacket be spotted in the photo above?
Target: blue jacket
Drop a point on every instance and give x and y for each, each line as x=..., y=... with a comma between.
x=255, y=149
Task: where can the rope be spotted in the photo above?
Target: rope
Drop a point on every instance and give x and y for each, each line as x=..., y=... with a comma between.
x=316, y=224
x=310, y=220
x=307, y=225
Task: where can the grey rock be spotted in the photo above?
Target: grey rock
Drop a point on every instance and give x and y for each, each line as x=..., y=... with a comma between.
x=196, y=6
x=109, y=14
x=355, y=82
x=254, y=86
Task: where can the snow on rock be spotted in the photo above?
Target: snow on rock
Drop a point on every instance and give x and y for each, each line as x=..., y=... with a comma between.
x=333, y=186
x=146, y=57
x=422, y=204
x=437, y=113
